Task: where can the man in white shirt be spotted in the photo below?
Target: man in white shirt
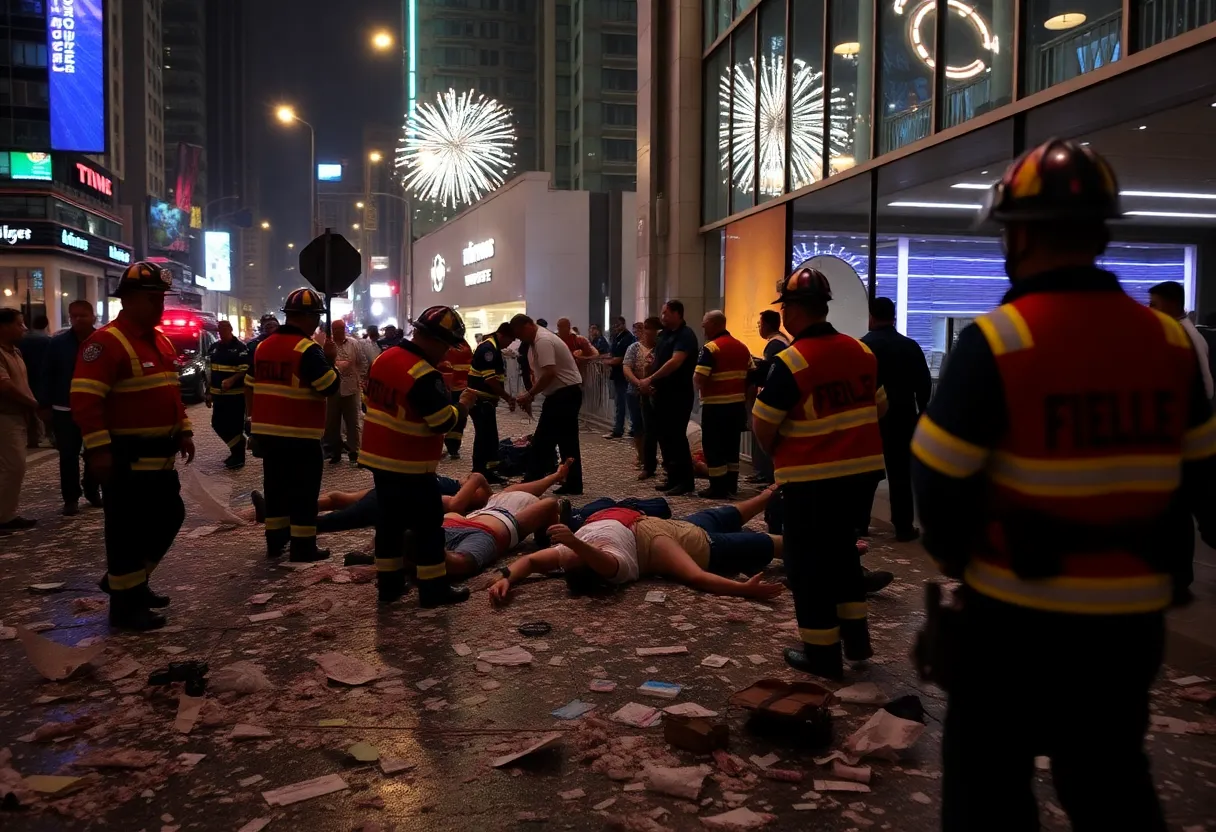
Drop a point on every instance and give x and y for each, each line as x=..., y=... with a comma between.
x=1169, y=298
x=556, y=376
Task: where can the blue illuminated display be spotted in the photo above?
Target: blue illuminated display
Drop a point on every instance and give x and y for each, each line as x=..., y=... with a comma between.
x=76, y=49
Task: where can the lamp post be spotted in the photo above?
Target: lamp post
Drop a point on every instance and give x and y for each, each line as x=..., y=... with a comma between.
x=287, y=115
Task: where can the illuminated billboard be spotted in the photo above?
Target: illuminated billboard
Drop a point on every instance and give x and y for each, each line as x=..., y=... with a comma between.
x=75, y=33
x=29, y=165
x=217, y=246
x=168, y=227
x=329, y=172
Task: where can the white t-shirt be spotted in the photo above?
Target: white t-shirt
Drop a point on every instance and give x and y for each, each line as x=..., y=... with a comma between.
x=550, y=351
x=616, y=539
x=1201, y=349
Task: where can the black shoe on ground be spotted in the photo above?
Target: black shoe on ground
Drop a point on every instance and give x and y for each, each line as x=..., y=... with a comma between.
x=877, y=580
x=663, y=486
x=680, y=489
x=391, y=586
x=855, y=638
x=125, y=616
x=95, y=500
x=825, y=662
x=711, y=494
x=439, y=592
x=907, y=535
x=156, y=602
x=453, y=454
x=71, y=509
x=18, y=524
x=358, y=559
x=234, y=463
x=309, y=557
x=335, y=460
x=567, y=491
x=259, y=505
x=354, y=458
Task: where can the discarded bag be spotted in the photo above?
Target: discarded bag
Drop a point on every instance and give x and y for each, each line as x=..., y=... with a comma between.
x=695, y=733
x=790, y=712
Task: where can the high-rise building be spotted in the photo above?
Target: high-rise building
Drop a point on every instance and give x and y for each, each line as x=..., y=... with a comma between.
x=185, y=92
x=227, y=75
x=143, y=121
x=603, y=103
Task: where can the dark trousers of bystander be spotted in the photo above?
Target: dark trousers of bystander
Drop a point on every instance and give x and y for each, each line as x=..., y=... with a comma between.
x=484, y=415
x=291, y=479
x=557, y=428
x=143, y=513
x=456, y=435
x=69, y=442
x=650, y=435
x=672, y=412
x=1095, y=743
x=721, y=427
x=897, y=457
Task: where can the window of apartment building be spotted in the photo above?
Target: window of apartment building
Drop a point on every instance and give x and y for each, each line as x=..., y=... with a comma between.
x=563, y=50
x=525, y=118
x=563, y=85
x=577, y=44
x=576, y=84
x=563, y=156
x=619, y=10
x=620, y=150
x=520, y=60
x=620, y=115
x=488, y=57
x=563, y=15
x=620, y=80
x=518, y=87
x=563, y=120
x=618, y=182
x=615, y=44
x=488, y=30
x=487, y=85
x=29, y=54
x=577, y=113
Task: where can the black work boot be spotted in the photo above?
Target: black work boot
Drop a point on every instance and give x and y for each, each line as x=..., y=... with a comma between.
x=259, y=505
x=156, y=602
x=819, y=660
x=855, y=637
x=129, y=611
x=391, y=586
x=439, y=592
x=732, y=483
x=308, y=554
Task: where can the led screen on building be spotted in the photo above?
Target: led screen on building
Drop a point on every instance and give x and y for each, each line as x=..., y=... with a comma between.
x=30, y=165
x=218, y=248
x=329, y=172
x=168, y=227
x=75, y=31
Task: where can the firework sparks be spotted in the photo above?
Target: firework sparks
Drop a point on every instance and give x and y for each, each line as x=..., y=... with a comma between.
x=457, y=149
x=737, y=138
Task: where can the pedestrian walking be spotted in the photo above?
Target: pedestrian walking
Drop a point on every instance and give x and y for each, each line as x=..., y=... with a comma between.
x=17, y=403
x=637, y=364
x=351, y=364
x=33, y=346
x=721, y=379
x=487, y=379
x=1050, y=485
x=54, y=390
x=285, y=396
x=670, y=382
x=227, y=366
x=622, y=339
x=454, y=368
x=558, y=379
x=126, y=399
x=904, y=374
x=818, y=417
x=409, y=411
x=774, y=342
x=1169, y=298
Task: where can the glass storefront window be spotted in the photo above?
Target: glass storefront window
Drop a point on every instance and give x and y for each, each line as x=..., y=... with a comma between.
x=908, y=31
x=715, y=136
x=1160, y=20
x=743, y=117
x=1066, y=38
x=806, y=100
x=72, y=286
x=979, y=58
x=772, y=109
x=852, y=78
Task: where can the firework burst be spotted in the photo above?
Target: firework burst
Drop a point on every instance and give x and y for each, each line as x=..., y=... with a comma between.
x=737, y=138
x=457, y=149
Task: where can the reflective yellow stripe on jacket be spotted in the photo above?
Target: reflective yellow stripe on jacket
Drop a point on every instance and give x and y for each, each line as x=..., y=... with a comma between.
x=1087, y=596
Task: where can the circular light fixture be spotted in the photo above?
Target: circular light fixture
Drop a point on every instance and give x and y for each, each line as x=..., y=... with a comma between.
x=956, y=73
x=850, y=48
x=1068, y=20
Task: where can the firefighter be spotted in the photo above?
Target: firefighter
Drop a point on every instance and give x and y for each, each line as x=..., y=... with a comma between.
x=487, y=379
x=409, y=410
x=1057, y=469
x=818, y=418
x=721, y=379
x=455, y=370
x=227, y=366
x=290, y=378
x=126, y=400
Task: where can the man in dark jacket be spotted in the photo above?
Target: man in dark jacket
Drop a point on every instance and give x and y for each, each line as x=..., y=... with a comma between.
x=904, y=374
x=33, y=348
x=52, y=386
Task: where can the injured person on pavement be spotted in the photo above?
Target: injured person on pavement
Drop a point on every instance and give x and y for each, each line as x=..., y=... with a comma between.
x=619, y=545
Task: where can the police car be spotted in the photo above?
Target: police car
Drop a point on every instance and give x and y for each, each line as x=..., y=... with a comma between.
x=192, y=333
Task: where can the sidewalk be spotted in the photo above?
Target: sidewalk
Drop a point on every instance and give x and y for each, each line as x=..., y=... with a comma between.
x=439, y=708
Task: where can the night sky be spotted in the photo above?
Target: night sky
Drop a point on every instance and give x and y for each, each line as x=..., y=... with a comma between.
x=315, y=55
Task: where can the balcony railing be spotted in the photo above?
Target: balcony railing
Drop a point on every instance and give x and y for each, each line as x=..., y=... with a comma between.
x=1077, y=52
x=1161, y=20
x=962, y=103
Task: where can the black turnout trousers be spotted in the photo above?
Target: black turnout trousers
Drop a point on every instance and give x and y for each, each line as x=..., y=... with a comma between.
x=291, y=479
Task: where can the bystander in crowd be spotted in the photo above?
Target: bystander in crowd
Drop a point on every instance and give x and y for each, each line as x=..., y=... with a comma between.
x=638, y=361
x=352, y=364
x=33, y=346
x=614, y=354
x=558, y=379
x=17, y=405
x=670, y=382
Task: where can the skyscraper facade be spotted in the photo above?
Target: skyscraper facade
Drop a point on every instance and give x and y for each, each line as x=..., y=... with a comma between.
x=185, y=90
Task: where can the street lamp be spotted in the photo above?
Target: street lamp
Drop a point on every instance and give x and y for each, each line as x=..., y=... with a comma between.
x=287, y=115
x=359, y=205
x=355, y=226
x=382, y=40
x=375, y=156
x=291, y=245
x=265, y=225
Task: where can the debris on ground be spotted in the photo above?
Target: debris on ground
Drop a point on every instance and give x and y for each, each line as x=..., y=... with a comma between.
x=574, y=710
x=684, y=782
x=546, y=741
x=884, y=735
x=639, y=716
x=507, y=657
x=53, y=660
x=347, y=670
x=738, y=819
x=676, y=650
x=305, y=790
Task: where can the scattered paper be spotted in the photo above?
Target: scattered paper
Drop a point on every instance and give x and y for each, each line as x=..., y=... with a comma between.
x=684, y=782
x=332, y=723
x=884, y=735
x=462, y=649
x=573, y=794
x=633, y=787
x=8, y=633
x=656, y=596
x=755, y=658
x=255, y=825
x=839, y=786
x=862, y=693
x=118, y=758
x=689, y=709
x=574, y=710
x=1169, y=724
x=1187, y=681
x=239, y=677
x=119, y=668
x=557, y=661
x=190, y=760
x=858, y=774
x=364, y=752
x=714, y=661
x=47, y=587
x=473, y=701
x=804, y=807
x=394, y=765
x=245, y=731
x=249, y=781
x=639, y=716
x=602, y=686
x=490, y=684
x=210, y=497
x=55, y=661
x=661, y=690
x=347, y=670
x=305, y=790
x=188, y=710
x=741, y=818
x=265, y=616
x=426, y=684
x=603, y=804
x=546, y=741
x=509, y=657
x=662, y=651
x=261, y=598
x=921, y=797
x=49, y=783
x=765, y=761
x=1201, y=695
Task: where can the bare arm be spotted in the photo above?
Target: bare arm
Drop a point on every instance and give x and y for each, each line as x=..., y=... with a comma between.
x=602, y=563
x=543, y=379
x=669, y=366
x=668, y=558
x=9, y=390
x=545, y=560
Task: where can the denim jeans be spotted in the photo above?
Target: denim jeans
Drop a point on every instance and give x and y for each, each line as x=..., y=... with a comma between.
x=620, y=388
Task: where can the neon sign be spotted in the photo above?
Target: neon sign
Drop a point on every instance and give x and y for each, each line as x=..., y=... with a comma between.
x=476, y=252
x=987, y=40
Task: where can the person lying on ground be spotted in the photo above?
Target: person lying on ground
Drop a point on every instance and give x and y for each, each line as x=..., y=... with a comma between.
x=617, y=545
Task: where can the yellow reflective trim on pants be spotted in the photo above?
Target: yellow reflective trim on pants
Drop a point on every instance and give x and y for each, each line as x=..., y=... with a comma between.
x=1086, y=477
x=236, y=440
x=390, y=564
x=732, y=466
x=830, y=470
x=852, y=611
x=96, y=439
x=830, y=424
x=370, y=460
x=163, y=463
x=150, y=567
x=455, y=434
x=1005, y=330
x=129, y=581
x=1089, y=596
x=820, y=638
x=717, y=470
x=430, y=573
x=946, y=453
x=160, y=431
x=1200, y=442
x=274, y=524
x=303, y=531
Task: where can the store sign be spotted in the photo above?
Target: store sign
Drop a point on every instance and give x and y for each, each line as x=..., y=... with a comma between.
x=476, y=252
x=380, y=291
x=73, y=240
x=477, y=278
x=14, y=235
x=119, y=255
x=94, y=180
x=76, y=43
x=379, y=263
x=439, y=272
x=54, y=236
